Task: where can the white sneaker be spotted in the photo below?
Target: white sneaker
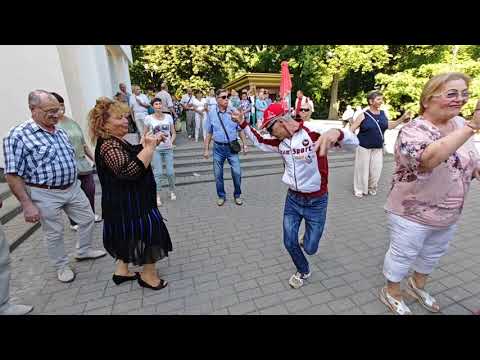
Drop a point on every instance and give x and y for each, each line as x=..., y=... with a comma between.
x=74, y=227
x=91, y=254
x=17, y=309
x=372, y=192
x=296, y=280
x=66, y=274
x=159, y=201
x=98, y=218
x=359, y=195
x=173, y=196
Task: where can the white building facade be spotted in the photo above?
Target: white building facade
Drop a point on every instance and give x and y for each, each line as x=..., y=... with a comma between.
x=79, y=73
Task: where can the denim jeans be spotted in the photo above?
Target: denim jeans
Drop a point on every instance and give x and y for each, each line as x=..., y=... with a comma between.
x=314, y=211
x=160, y=156
x=220, y=154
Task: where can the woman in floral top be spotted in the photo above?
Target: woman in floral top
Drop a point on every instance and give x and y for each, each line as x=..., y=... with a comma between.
x=435, y=162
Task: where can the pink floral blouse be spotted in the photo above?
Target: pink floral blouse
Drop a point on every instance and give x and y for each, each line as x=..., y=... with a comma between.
x=435, y=197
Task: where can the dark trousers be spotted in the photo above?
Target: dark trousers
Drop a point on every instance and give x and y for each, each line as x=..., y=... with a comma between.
x=87, y=184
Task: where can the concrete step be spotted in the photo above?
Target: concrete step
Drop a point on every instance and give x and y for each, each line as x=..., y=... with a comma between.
x=11, y=217
x=255, y=172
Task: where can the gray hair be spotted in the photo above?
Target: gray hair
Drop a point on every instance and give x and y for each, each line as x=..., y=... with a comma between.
x=163, y=86
x=35, y=97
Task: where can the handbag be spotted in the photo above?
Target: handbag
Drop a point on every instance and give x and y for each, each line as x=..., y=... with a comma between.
x=234, y=145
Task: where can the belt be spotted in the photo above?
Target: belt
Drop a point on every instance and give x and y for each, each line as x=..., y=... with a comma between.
x=43, y=186
x=219, y=143
x=318, y=193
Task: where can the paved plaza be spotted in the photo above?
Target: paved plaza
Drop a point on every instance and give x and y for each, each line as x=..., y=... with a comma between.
x=231, y=259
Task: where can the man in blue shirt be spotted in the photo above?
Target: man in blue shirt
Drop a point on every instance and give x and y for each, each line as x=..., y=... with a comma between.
x=222, y=137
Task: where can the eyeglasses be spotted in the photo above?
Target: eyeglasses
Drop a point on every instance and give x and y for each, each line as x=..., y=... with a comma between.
x=223, y=97
x=52, y=112
x=455, y=94
x=304, y=110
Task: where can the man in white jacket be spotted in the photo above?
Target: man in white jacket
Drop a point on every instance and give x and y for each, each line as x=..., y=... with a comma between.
x=303, y=148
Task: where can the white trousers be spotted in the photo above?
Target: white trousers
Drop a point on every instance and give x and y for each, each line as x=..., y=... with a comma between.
x=413, y=245
x=200, y=123
x=139, y=121
x=368, y=168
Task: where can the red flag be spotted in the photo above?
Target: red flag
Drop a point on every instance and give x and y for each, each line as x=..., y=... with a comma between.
x=285, y=86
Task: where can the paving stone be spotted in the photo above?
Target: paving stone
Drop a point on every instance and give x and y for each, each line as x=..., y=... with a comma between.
x=316, y=310
x=242, y=308
x=126, y=306
x=297, y=305
x=100, y=311
x=341, y=305
x=274, y=310
x=250, y=294
x=100, y=303
x=321, y=298
x=456, y=309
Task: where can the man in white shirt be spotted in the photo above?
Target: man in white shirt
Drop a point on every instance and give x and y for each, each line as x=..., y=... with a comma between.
x=139, y=104
x=187, y=104
x=167, y=103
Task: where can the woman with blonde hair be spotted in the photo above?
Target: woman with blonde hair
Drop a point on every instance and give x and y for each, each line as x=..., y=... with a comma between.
x=134, y=231
x=435, y=160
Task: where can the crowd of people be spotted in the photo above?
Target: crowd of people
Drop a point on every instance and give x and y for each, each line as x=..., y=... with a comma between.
x=47, y=169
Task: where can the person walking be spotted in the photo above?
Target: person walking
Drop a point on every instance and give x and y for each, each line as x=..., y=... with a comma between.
x=224, y=131
x=134, y=231
x=162, y=123
x=369, y=155
x=187, y=104
x=435, y=162
x=303, y=148
x=139, y=104
x=41, y=171
x=82, y=151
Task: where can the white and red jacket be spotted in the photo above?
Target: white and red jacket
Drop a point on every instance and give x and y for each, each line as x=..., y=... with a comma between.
x=305, y=171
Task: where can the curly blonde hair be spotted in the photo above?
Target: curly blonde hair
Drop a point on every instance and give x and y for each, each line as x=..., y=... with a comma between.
x=101, y=112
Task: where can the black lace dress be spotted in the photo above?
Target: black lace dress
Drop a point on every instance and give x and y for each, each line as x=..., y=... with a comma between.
x=133, y=228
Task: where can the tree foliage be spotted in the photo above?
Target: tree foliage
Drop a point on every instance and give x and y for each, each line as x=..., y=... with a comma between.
x=332, y=75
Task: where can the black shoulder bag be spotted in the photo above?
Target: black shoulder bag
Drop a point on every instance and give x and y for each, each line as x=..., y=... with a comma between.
x=234, y=145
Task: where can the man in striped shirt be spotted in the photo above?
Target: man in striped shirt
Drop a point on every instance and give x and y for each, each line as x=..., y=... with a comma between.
x=41, y=171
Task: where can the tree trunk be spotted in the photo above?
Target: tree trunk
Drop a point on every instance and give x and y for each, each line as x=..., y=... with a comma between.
x=333, y=109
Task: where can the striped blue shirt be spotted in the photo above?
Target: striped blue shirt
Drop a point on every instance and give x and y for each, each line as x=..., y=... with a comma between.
x=39, y=157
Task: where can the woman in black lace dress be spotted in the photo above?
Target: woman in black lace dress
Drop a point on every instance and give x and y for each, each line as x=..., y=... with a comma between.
x=134, y=231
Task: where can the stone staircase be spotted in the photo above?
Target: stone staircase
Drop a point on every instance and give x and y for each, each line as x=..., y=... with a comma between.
x=190, y=168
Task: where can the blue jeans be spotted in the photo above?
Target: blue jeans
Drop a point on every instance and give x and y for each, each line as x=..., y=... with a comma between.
x=160, y=156
x=220, y=153
x=314, y=211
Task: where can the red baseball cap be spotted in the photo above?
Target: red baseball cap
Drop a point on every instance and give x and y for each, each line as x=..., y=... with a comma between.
x=271, y=112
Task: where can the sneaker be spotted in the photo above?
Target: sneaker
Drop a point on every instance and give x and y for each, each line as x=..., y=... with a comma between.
x=220, y=202
x=173, y=196
x=296, y=280
x=98, y=218
x=74, y=227
x=17, y=309
x=359, y=195
x=66, y=274
x=159, y=201
x=372, y=192
x=91, y=254
x=238, y=201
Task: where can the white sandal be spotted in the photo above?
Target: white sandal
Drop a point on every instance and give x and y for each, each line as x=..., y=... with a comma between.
x=398, y=307
x=424, y=298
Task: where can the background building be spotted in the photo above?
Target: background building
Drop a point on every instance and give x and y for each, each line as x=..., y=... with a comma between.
x=80, y=73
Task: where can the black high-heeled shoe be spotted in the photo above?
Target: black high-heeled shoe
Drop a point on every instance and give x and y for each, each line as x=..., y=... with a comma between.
x=144, y=284
x=120, y=279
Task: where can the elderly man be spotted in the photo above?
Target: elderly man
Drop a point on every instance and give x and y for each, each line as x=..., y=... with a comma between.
x=139, y=104
x=187, y=104
x=124, y=92
x=41, y=171
x=220, y=126
x=167, y=103
x=7, y=308
x=303, y=147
